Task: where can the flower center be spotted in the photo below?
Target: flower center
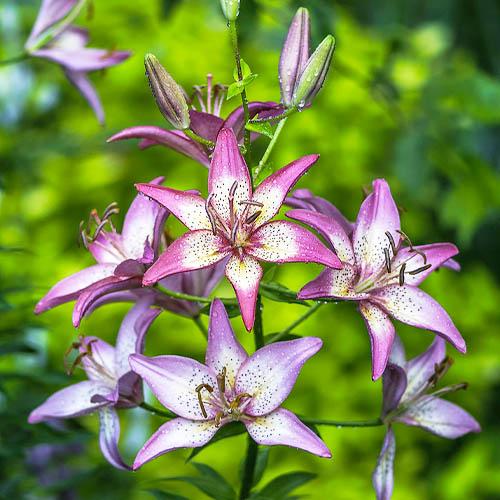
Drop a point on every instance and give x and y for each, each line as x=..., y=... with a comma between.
x=214, y=96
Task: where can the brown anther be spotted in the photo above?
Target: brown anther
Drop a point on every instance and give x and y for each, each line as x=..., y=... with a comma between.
x=402, y=274
x=82, y=235
x=253, y=217
x=406, y=238
x=252, y=203
x=198, y=390
x=232, y=191
x=239, y=397
x=422, y=254
x=221, y=381
x=420, y=270
x=211, y=218
x=98, y=229
x=218, y=418
x=387, y=260
x=234, y=231
x=200, y=402
x=439, y=370
x=391, y=242
x=76, y=362
x=111, y=209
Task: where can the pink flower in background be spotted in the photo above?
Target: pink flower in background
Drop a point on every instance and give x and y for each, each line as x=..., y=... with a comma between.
x=111, y=384
x=55, y=39
x=380, y=272
x=406, y=386
x=234, y=223
x=230, y=386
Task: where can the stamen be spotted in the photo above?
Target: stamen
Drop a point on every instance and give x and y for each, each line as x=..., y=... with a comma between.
x=98, y=229
x=439, y=370
x=402, y=274
x=420, y=270
x=111, y=209
x=218, y=418
x=406, y=238
x=221, y=381
x=198, y=390
x=252, y=203
x=387, y=260
x=233, y=189
x=232, y=192
x=254, y=217
x=234, y=231
x=239, y=397
x=83, y=235
x=391, y=242
x=210, y=215
x=209, y=93
x=422, y=254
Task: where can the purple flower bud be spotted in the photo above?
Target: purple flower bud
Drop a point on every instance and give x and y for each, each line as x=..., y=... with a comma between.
x=294, y=54
x=312, y=78
x=168, y=93
x=230, y=8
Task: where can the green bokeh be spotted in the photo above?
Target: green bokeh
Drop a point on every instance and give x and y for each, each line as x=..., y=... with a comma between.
x=412, y=97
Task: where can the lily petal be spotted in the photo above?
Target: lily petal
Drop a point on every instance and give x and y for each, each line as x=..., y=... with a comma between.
x=452, y=264
x=143, y=224
x=103, y=354
x=330, y=229
x=193, y=250
x=188, y=207
x=283, y=241
x=245, y=275
x=236, y=119
x=420, y=369
x=223, y=349
x=178, y=433
x=270, y=374
x=82, y=83
x=130, y=338
x=398, y=355
x=109, y=434
x=282, y=427
x=173, y=380
x=383, y=475
x=273, y=190
x=394, y=385
x=440, y=417
x=69, y=288
x=378, y=214
x=174, y=139
x=205, y=124
x=72, y=401
x=414, y=307
x=381, y=332
x=227, y=168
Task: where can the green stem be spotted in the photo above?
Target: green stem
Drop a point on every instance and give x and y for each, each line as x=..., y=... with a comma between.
x=198, y=138
x=276, y=118
x=233, y=30
x=297, y=322
x=157, y=411
x=193, y=298
x=14, y=60
x=200, y=326
x=339, y=423
x=258, y=330
x=270, y=147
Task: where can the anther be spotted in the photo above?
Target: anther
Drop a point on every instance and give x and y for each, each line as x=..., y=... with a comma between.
x=422, y=254
x=406, y=238
x=420, y=270
x=402, y=274
x=232, y=191
x=198, y=390
x=221, y=381
x=83, y=234
x=252, y=203
x=387, y=260
x=253, y=217
x=391, y=242
x=210, y=215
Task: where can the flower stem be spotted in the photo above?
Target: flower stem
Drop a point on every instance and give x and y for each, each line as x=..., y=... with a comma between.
x=193, y=298
x=270, y=147
x=157, y=411
x=249, y=469
x=233, y=30
x=14, y=60
x=297, y=322
x=258, y=329
x=200, y=326
x=275, y=118
x=198, y=138
x=339, y=423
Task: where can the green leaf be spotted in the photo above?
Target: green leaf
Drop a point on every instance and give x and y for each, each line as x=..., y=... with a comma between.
x=245, y=70
x=232, y=310
x=164, y=495
x=280, y=486
x=263, y=128
x=288, y=336
x=16, y=347
x=238, y=87
x=261, y=463
x=229, y=430
x=280, y=293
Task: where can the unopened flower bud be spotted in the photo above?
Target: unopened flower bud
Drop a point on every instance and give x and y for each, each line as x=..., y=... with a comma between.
x=230, y=8
x=312, y=78
x=294, y=54
x=168, y=94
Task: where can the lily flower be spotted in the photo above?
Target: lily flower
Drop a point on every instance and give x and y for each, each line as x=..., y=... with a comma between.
x=205, y=122
x=230, y=386
x=234, y=223
x=53, y=38
x=121, y=258
x=407, y=399
x=111, y=384
x=382, y=271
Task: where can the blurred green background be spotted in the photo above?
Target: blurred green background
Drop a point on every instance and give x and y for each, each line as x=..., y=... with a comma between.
x=413, y=96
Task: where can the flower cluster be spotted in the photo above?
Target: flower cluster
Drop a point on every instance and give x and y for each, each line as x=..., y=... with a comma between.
x=231, y=231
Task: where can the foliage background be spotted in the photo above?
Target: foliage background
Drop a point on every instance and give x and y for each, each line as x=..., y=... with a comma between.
x=413, y=96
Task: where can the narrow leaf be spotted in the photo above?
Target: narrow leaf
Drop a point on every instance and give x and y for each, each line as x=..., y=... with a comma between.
x=280, y=486
x=280, y=293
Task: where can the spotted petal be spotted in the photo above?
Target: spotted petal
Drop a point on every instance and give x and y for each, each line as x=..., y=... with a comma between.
x=270, y=374
x=178, y=433
x=394, y=385
x=109, y=434
x=440, y=417
x=188, y=207
x=378, y=214
x=414, y=307
x=282, y=427
x=283, y=241
x=383, y=475
x=173, y=380
x=193, y=250
x=102, y=355
x=273, y=190
x=381, y=332
x=223, y=349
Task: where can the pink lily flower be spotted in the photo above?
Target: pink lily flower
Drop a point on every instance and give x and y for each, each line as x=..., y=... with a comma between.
x=381, y=273
x=406, y=385
x=111, y=384
x=233, y=222
x=206, y=122
x=230, y=386
x=54, y=39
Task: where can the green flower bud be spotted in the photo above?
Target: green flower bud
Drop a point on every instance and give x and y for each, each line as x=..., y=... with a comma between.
x=168, y=94
x=230, y=8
